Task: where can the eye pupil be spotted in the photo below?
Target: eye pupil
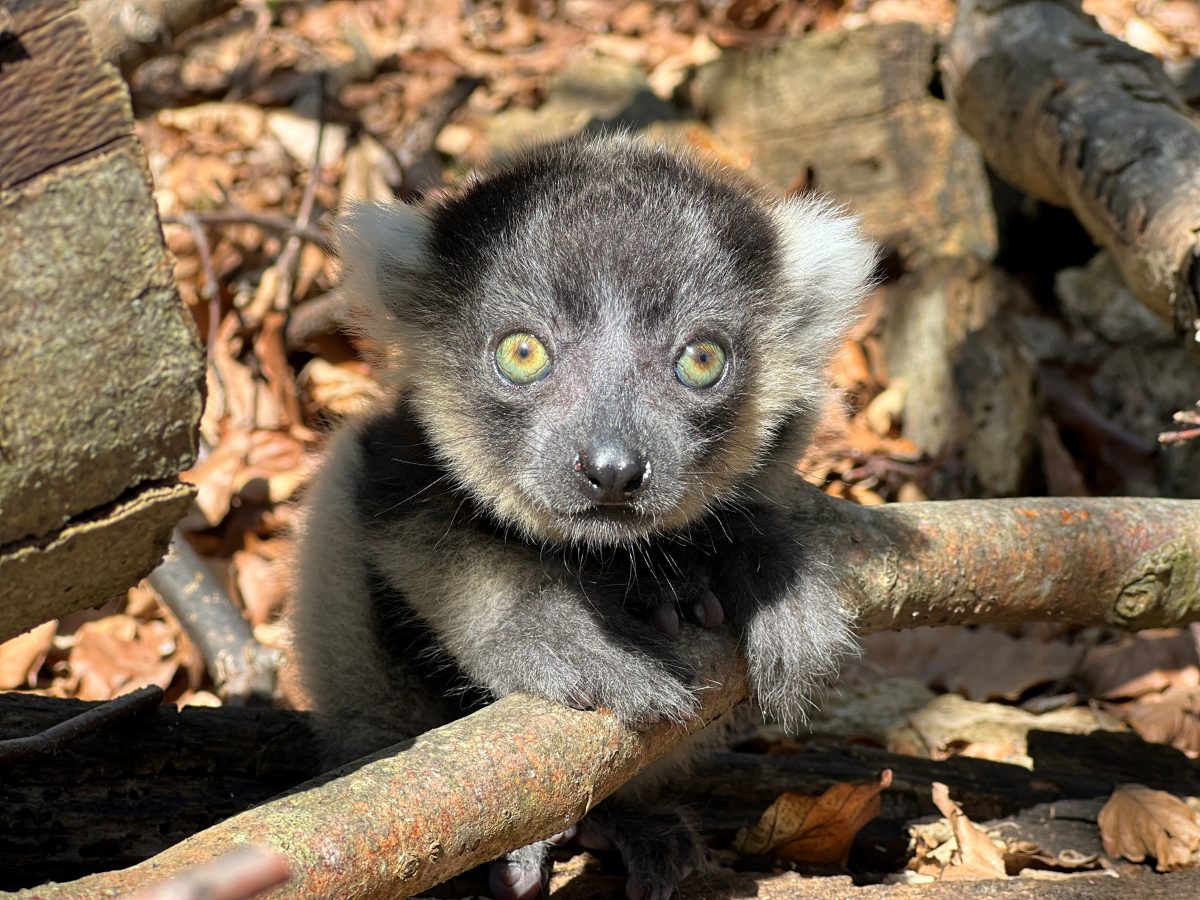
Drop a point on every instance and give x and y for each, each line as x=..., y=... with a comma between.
x=523, y=350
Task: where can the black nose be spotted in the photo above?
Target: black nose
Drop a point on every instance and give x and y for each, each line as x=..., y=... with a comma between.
x=611, y=474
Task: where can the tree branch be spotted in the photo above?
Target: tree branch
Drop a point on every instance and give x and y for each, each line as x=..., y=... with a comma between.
x=1079, y=119
x=523, y=768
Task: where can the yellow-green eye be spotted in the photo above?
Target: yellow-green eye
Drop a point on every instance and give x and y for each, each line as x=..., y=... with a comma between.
x=522, y=358
x=700, y=364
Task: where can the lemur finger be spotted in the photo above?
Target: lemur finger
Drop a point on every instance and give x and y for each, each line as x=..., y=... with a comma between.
x=513, y=881
x=707, y=610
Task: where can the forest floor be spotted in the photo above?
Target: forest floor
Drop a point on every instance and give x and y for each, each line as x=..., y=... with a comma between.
x=262, y=125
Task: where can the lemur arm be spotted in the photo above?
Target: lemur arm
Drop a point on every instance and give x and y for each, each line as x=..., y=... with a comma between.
x=516, y=621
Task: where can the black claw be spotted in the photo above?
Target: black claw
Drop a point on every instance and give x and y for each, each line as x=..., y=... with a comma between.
x=666, y=620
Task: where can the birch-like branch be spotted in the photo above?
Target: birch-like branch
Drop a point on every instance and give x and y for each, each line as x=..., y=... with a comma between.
x=523, y=768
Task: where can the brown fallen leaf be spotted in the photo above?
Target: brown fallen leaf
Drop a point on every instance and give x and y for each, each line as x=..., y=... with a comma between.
x=1148, y=662
x=977, y=857
x=21, y=657
x=979, y=663
x=115, y=655
x=814, y=830
x=1172, y=717
x=1137, y=822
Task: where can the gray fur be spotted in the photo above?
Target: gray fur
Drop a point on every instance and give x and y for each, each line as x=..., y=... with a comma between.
x=453, y=552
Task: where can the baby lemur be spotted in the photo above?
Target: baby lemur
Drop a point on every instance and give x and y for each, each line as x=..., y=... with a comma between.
x=607, y=359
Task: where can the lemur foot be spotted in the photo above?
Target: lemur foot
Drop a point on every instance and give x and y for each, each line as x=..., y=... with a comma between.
x=661, y=845
x=520, y=875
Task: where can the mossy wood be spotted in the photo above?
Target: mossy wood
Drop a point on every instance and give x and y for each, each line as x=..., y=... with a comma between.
x=101, y=372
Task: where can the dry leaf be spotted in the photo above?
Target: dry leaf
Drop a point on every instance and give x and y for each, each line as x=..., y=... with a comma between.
x=1145, y=663
x=953, y=726
x=1172, y=717
x=260, y=585
x=815, y=830
x=114, y=655
x=977, y=857
x=1137, y=822
x=979, y=663
x=21, y=657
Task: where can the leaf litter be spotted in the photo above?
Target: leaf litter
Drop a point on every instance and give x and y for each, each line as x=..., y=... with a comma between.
x=230, y=124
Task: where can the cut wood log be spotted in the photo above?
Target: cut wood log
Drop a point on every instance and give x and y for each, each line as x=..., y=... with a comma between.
x=409, y=817
x=854, y=114
x=101, y=372
x=1079, y=119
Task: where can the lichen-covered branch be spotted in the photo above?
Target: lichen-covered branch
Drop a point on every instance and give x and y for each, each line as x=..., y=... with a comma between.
x=1079, y=119
x=523, y=768
x=1124, y=562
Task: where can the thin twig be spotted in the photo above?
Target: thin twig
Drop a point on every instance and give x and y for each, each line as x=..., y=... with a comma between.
x=291, y=251
x=420, y=140
x=208, y=290
x=53, y=739
x=316, y=316
x=249, y=56
x=239, y=216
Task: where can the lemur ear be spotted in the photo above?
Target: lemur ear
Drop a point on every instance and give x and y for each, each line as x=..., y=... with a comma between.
x=830, y=265
x=385, y=253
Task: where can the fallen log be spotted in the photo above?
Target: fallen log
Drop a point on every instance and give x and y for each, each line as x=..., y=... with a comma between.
x=1079, y=119
x=418, y=813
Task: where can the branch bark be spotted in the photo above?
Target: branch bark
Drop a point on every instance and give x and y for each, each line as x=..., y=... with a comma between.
x=242, y=669
x=1079, y=119
x=411, y=816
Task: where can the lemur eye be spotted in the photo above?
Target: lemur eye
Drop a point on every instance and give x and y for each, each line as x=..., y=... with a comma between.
x=701, y=364
x=522, y=358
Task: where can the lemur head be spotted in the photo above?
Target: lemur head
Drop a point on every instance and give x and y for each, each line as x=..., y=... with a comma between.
x=605, y=339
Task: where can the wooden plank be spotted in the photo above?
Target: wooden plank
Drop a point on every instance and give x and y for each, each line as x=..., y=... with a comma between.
x=60, y=103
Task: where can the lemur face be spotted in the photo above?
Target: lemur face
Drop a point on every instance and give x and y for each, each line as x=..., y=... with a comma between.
x=604, y=340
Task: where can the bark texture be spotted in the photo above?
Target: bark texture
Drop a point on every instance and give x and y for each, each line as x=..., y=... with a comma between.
x=1079, y=119
x=418, y=813
x=100, y=368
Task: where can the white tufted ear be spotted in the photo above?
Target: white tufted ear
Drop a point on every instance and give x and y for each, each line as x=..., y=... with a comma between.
x=385, y=251
x=829, y=263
